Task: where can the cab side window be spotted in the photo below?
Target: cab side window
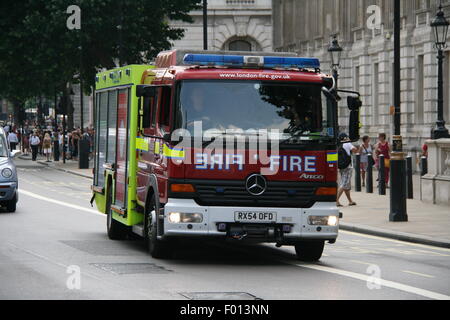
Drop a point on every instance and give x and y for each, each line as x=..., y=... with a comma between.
x=164, y=113
x=149, y=114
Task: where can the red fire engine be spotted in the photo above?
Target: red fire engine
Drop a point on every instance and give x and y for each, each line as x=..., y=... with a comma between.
x=220, y=146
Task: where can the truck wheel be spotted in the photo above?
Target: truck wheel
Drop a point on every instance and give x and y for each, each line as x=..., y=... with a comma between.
x=157, y=248
x=115, y=229
x=309, y=250
x=11, y=205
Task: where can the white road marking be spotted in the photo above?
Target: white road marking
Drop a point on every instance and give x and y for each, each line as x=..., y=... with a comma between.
x=364, y=277
x=362, y=262
x=73, y=206
x=433, y=253
x=392, y=240
x=418, y=274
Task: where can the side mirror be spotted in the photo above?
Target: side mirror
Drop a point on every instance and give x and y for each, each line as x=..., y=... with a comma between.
x=144, y=90
x=354, y=103
x=354, y=126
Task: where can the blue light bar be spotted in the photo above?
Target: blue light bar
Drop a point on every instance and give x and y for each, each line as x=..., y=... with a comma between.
x=291, y=62
x=240, y=61
x=213, y=60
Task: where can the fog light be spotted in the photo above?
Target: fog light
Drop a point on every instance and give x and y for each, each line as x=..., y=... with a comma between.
x=287, y=228
x=323, y=220
x=174, y=217
x=183, y=217
x=333, y=221
x=222, y=227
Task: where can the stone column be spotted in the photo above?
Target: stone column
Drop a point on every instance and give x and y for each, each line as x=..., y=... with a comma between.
x=436, y=184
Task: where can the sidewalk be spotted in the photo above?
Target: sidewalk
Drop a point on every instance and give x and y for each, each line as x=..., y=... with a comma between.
x=70, y=166
x=427, y=224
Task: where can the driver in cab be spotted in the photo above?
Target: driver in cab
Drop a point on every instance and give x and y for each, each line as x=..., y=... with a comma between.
x=300, y=121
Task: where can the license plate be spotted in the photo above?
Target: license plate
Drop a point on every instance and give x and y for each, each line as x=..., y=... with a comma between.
x=255, y=216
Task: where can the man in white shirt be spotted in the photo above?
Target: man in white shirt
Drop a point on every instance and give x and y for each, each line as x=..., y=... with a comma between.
x=345, y=183
x=34, y=143
x=13, y=140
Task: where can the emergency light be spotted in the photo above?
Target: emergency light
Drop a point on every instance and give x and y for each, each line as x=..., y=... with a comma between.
x=251, y=61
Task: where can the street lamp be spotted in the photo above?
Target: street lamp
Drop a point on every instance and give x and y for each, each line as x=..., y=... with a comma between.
x=205, y=25
x=335, y=52
x=440, y=26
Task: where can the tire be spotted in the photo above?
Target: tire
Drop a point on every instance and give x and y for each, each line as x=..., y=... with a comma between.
x=115, y=229
x=11, y=205
x=309, y=251
x=158, y=249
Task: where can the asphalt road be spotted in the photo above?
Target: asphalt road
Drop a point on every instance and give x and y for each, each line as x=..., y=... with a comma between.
x=54, y=234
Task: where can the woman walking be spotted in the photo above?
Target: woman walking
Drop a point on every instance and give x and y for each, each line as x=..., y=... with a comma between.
x=382, y=147
x=364, y=150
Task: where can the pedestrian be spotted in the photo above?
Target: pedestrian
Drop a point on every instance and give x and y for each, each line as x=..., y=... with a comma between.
x=425, y=150
x=34, y=143
x=76, y=136
x=364, y=150
x=13, y=140
x=345, y=168
x=41, y=139
x=69, y=145
x=56, y=149
x=382, y=147
x=47, y=146
x=26, y=142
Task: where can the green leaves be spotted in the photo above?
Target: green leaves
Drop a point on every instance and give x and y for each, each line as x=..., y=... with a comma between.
x=39, y=54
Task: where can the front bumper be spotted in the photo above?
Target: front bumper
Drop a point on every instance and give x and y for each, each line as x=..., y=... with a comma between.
x=296, y=218
x=8, y=191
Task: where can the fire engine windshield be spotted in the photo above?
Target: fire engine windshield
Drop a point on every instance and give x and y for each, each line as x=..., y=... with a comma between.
x=284, y=110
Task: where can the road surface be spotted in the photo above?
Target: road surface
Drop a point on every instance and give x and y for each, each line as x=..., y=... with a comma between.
x=55, y=235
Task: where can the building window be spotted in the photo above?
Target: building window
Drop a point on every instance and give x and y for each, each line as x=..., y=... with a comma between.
x=240, y=45
x=419, y=90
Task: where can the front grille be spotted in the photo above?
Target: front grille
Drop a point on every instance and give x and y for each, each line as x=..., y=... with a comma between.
x=234, y=193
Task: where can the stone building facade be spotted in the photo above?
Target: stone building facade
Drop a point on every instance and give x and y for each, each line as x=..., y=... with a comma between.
x=365, y=31
x=242, y=25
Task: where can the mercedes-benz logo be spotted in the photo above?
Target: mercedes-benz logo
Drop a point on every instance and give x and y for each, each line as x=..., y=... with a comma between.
x=256, y=184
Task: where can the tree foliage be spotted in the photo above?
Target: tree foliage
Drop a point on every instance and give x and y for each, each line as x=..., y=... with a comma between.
x=39, y=54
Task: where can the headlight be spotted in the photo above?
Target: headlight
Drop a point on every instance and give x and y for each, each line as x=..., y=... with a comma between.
x=7, y=173
x=323, y=220
x=177, y=217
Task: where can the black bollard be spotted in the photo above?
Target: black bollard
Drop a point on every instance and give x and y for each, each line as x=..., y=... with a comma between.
x=409, y=178
x=83, y=154
x=358, y=172
x=381, y=176
x=369, y=174
x=424, y=166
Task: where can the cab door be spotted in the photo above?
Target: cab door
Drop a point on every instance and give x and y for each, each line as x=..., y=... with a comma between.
x=163, y=126
x=122, y=143
x=146, y=154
